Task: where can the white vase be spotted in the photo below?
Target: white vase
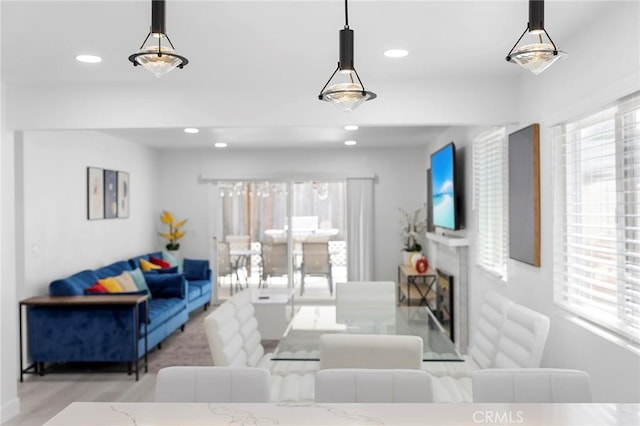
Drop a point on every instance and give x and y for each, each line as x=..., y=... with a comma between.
x=174, y=253
x=406, y=257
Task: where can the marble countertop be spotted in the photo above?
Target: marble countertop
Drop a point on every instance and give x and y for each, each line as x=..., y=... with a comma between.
x=301, y=414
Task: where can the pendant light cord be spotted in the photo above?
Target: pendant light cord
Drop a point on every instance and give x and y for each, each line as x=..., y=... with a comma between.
x=346, y=15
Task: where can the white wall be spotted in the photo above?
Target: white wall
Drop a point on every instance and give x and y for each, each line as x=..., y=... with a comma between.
x=597, y=79
x=9, y=401
x=600, y=71
x=58, y=238
x=400, y=182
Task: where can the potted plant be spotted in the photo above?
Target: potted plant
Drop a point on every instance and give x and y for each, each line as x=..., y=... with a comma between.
x=174, y=233
x=413, y=224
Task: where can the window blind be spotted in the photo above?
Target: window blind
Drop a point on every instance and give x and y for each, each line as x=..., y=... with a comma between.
x=597, y=218
x=490, y=199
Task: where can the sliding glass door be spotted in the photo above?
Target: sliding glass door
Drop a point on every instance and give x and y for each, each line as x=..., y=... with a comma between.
x=319, y=237
x=247, y=211
x=255, y=248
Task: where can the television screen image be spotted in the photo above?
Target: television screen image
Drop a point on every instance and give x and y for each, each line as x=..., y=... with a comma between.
x=443, y=171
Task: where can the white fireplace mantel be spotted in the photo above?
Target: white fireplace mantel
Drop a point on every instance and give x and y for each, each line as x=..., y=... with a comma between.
x=447, y=240
x=449, y=254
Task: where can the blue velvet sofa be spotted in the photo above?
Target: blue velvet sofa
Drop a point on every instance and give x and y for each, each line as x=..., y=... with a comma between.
x=106, y=333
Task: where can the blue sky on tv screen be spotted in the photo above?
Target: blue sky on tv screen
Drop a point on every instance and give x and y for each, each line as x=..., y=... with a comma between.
x=442, y=187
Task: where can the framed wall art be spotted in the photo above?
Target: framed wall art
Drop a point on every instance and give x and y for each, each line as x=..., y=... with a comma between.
x=123, y=194
x=524, y=195
x=110, y=194
x=95, y=193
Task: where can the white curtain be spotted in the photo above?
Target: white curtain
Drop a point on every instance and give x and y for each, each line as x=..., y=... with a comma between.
x=360, y=229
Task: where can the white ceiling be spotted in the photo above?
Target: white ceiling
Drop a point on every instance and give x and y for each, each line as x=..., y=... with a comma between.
x=252, y=44
x=283, y=137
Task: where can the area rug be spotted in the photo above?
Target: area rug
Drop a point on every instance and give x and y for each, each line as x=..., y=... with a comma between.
x=189, y=347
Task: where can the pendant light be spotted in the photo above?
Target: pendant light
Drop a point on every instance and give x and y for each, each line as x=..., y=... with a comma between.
x=350, y=94
x=540, y=55
x=155, y=57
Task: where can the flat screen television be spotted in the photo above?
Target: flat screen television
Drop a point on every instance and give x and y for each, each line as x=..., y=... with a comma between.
x=443, y=188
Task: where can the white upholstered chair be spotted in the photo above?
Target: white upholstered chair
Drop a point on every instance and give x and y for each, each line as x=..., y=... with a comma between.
x=365, y=300
x=523, y=338
x=213, y=384
x=484, y=343
x=223, y=335
x=508, y=335
x=370, y=351
x=372, y=385
x=531, y=385
x=234, y=340
x=252, y=345
x=233, y=336
x=366, y=293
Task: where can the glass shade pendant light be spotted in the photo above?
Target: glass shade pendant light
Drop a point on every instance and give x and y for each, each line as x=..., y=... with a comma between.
x=539, y=55
x=155, y=57
x=349, y=94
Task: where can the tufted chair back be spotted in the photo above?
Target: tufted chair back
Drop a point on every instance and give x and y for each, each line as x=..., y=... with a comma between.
x=225, y=340
x=251, y=337
x=370, y=351
x=484, y=344
x=531, y=385
x=372, y=385
x=523, y=338
x=213, y=384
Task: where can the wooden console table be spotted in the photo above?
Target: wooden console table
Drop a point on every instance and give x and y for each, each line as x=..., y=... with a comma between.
x=68, y=302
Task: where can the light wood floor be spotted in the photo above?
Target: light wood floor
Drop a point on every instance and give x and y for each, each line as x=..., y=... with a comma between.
x=43, y=397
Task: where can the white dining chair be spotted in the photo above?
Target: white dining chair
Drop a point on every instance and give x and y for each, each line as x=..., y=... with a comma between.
x=213, y=384
x=484, y=342
x=522, y=339
x=365, y=301
x=531, y=385
x=372, y=385
x=366, y=293
x=370, y=351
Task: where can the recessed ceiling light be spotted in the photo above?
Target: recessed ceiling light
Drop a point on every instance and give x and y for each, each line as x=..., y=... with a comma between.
x=220, y=145
x=350, y=143
x=351, y=127
x=191, y=130
x=89, y=59
x=396, y=53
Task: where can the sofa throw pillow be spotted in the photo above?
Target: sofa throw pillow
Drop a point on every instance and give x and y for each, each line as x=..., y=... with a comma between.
x=165, y=285
x=171, y=270
x=139, y=280
x=168, y=257
x=159, y=262
x=111, y=284
x=96, y=288
x=126, y=282
x=195, y=269
x=145, y=265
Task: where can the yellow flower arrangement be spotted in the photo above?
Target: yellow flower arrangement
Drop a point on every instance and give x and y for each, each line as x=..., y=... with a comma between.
x=174, y=233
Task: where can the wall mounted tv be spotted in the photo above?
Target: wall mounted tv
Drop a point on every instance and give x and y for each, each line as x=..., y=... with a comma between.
x=444, y=202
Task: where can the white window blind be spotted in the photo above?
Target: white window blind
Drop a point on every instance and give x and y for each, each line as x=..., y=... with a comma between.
x=597, y=218
x=490, y=199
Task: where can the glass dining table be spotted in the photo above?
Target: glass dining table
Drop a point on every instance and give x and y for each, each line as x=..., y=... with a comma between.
x=302, y=338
